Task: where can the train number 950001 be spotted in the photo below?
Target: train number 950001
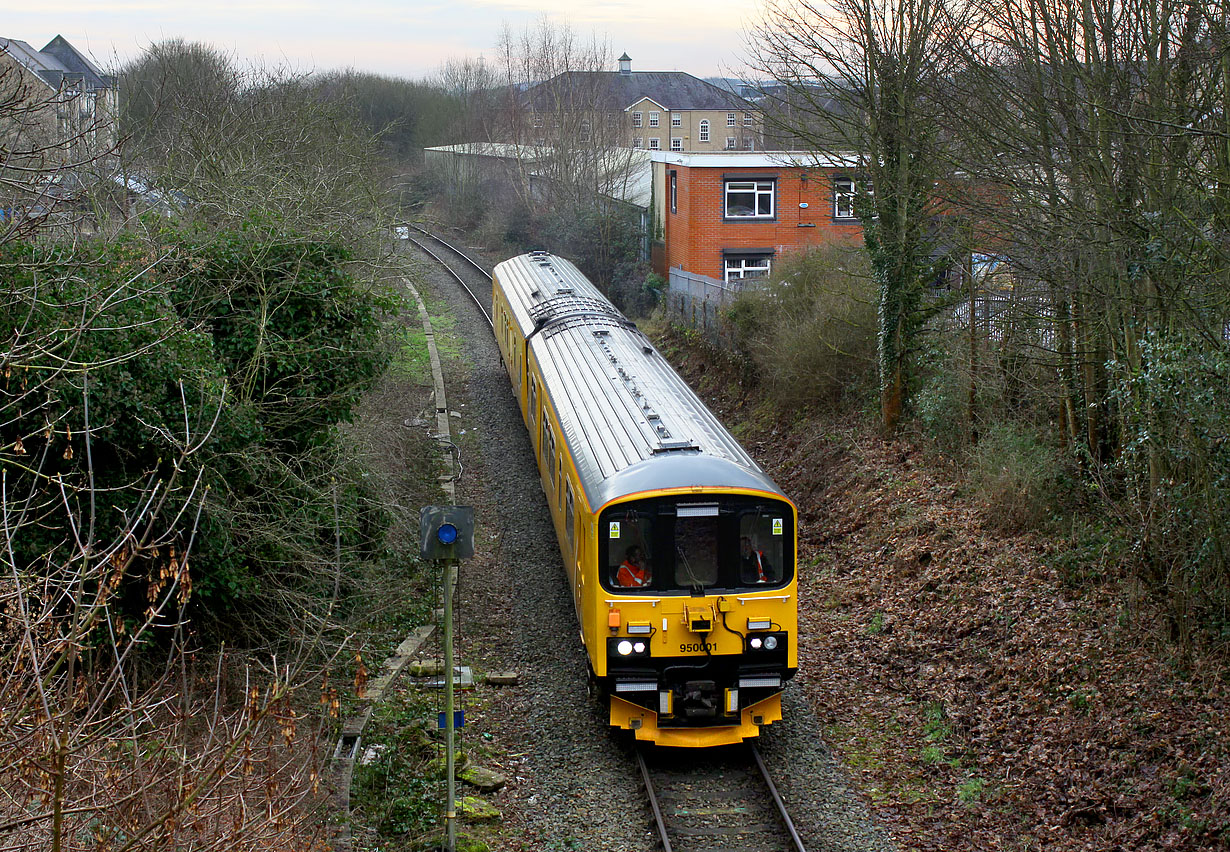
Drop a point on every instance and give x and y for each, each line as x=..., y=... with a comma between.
x=687, y=647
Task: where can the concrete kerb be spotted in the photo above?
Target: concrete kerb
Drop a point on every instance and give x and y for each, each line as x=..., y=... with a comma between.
x=350, y=741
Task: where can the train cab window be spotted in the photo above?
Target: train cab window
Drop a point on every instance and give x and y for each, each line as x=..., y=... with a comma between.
x=696, y=551
x=728, y=543
x=629, y=542
x=761, y=548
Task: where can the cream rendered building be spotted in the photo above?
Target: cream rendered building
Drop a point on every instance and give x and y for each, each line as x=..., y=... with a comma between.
x=661, y=110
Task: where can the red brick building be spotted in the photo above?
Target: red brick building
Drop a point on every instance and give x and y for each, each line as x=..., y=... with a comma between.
x=730, y=215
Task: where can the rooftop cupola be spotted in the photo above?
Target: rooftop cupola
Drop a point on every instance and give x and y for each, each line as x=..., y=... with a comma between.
x=625, y=64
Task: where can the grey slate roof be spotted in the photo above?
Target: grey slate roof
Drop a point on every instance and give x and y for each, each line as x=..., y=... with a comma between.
x=629, y=421
x=56, y=61
x=674, y=90
x=76, y=61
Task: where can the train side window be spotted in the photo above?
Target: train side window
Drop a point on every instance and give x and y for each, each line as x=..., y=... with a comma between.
x=569, y=515
x=533, y=397
x=542, y=442
x=548, y=449
x=762, y=547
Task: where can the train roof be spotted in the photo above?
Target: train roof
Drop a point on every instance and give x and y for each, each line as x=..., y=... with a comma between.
x=630, y=422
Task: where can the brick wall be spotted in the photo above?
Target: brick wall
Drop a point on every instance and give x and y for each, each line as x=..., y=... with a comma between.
x=697, y=232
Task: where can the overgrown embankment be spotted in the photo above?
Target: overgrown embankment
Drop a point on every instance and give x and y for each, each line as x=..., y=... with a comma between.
x=989, y=690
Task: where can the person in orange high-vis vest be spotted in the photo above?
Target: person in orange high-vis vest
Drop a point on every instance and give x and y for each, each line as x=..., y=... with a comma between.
x=632, y=573
x=755, y=568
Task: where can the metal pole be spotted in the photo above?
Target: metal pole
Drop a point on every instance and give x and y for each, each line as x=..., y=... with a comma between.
x=450, y=812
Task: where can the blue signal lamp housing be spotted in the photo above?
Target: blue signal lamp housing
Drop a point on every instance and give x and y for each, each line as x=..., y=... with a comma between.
x=446, y=532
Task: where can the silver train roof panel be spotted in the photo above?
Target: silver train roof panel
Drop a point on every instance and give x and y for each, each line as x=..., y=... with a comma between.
x=630, y=422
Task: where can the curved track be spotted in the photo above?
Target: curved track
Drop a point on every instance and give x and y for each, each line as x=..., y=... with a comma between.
x=470, y=265
x=721, y=800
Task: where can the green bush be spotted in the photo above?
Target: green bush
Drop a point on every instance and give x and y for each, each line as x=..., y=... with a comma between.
x=1176, y=464
x=809, y=333
x=941, y=403
x=209, y=374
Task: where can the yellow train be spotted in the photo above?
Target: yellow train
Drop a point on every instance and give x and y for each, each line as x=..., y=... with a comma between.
x=679, y=549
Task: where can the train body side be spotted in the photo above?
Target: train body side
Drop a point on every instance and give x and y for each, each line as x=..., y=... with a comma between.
x=630, y=458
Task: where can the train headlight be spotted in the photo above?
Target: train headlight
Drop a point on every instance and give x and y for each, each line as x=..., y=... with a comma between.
x=756, y=642
x=639, y=647
x=770, y=642
x=624, y=648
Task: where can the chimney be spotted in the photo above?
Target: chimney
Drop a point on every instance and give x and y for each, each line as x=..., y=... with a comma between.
x=625, y=64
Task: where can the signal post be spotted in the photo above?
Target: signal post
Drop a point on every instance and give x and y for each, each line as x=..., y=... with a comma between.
x=446, y=535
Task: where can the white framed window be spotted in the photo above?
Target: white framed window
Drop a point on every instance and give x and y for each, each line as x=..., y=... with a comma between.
x=747, y=119
x=585, y=130
x=655, y=144
x=704, y=131
x=653, y=119
x=638, y=142
x=676, y=143
x=749, y=199
x=730, y=143
x=537, y=120
x=676, y=119
x=636, y=119
x=746, y=267
x=843, y=198
x=730, y=119
x=749, y=143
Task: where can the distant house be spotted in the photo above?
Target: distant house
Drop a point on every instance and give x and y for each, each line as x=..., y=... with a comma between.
x=57, y=101
x=653, y=110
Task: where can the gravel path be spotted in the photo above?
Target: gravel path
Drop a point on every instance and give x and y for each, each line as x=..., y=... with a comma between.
x=573, y=781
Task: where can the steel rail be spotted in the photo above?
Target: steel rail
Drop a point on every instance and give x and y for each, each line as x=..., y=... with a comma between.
x=653, y=801
x=777, y=799
x=486, y=272
x=460, y=280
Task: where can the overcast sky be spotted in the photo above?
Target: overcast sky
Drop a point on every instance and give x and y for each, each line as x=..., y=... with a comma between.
x=404, y=38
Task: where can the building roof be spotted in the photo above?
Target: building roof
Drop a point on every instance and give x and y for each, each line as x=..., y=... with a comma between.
x=755, y=159
x=612, y=90
x=76, y=61
x=56, y=61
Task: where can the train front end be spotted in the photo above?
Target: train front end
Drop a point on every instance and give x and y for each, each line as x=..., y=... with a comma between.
x=698, y=613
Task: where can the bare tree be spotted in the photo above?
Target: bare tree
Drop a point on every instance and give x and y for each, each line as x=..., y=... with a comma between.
x=556, y=107
x=220, y=141
x=864, y=80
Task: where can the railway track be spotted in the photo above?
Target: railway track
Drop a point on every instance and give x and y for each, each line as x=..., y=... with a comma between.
x=719, y=801
x=468, y=263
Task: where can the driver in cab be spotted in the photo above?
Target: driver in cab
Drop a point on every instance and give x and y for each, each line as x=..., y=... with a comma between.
x=633, y=573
